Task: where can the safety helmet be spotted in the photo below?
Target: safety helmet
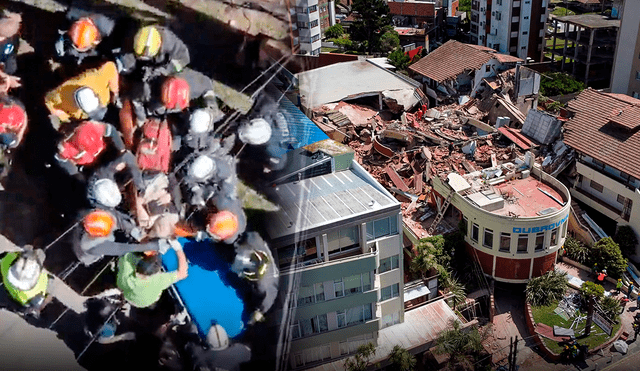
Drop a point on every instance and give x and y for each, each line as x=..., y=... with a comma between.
x=200, y=121
x=217, y=337
x=147, y=42
x=253, y=264
x=202, y=167
x=222, y=225
x=12, y=116
x=175, y=93
x=26, y=269
x=86, y=99
x=99, y=223
x=84, y=34
x=255, y=132
x=106, y=192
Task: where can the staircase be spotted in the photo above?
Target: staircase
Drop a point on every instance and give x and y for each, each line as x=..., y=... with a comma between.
x=578, y=212
x=441, y=212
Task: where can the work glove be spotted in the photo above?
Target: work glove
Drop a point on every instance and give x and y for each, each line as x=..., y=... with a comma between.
x=59, y=45
x=175, y=245
x=137, y=234
x=201, y=236
x=164, y=246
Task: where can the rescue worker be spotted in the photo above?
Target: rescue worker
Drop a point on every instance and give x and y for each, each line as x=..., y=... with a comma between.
x=225, y=225
x=97, y=236
x=24, y=277
x=82, y=39
x=84, y=96
x=618, y=285
x=9, y=41
x=157, y=51
x=199, y=136
x=217, y=353
x=82, y=147
x=140, y=279
x=13, y=122
x=102, y=188
x=171, y=94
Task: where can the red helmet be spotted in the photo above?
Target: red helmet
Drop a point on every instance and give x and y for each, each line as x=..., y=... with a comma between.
x=175, y=93
x=12, y=117
x=85, y=144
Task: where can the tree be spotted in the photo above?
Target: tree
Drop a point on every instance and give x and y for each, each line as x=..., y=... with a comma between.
x=389, y=41
x=546, y=289
x=626, y=238
x=398, y=59
x=576, y=250
x=360, y=361
x=334, y=31
x=374, y=15
x=559, y=83
x=453, y=286
x=606, y=253
x=463, y=347
x=343, y=43
x=401, y=359
x=590, y=292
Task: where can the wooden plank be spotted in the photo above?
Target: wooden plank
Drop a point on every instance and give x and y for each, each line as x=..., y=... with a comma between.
x=494, y=160
x=426, y=153
x=418, y=183
x=395, y=178
x=467, y=165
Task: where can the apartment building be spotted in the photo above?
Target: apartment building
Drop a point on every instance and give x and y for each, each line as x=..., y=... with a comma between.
x=510, y=27
x=309, y=19
x=604, y=134
x=337, y=241
x=626, y=65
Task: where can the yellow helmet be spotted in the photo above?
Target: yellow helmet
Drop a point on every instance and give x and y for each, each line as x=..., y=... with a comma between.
x=147, y=42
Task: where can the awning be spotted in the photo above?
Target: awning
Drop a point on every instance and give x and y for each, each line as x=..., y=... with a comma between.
x=416, y=292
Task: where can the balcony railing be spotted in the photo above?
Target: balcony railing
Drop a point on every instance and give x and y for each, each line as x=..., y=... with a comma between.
x=598, y=201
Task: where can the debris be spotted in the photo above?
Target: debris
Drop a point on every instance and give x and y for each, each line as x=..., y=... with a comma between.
x=395, y=178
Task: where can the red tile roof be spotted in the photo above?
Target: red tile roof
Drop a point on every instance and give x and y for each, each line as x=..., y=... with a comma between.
x=454, y=58
x=592, y=132
x=411, y=8
x=625, y=98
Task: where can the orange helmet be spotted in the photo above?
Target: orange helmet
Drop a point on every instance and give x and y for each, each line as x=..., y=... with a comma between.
x=84, y=34
x=99, y=223
x=175, y=93
x=222, y=225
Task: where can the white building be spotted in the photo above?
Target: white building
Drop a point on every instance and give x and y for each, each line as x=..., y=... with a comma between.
x=626, y=66
x=309, y=18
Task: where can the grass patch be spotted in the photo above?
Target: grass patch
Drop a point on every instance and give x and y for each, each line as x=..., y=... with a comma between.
x=558, y=57
x=325, y=49
x=544, y=314
x=559, y=43
x=561, y=11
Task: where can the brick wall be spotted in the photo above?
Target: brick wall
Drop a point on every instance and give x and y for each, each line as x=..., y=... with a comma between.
x=543, y=264
x=512, y=268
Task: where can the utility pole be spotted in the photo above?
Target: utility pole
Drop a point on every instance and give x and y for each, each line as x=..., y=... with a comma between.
x=515, y=354
x=510, y=353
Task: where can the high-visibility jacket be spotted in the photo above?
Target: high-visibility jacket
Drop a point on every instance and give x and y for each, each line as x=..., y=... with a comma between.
x=103, y=81
x=22, y=297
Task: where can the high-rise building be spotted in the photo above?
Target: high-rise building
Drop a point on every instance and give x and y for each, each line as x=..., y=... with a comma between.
x=309, y=19
x=510, y=27
x=338, y=244
x=626, y=65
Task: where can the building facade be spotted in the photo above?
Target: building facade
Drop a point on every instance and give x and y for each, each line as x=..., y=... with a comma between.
x=510, y=27
x=337, y=240
x=309, y=19
x=626, y=66
x=515, y=223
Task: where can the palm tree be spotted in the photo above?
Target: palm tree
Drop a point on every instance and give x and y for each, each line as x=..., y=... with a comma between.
x=457, y=291
x=463, y=347
x=360, y=361
x=401, y=359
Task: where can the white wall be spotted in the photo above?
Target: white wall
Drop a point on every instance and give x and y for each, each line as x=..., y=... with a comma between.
x=525, y=26
x=500, y=29
x=626, y=46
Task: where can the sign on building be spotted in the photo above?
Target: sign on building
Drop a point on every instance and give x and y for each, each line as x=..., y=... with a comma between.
x=602, y=322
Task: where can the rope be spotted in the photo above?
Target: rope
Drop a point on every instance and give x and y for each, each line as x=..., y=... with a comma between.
x=62, y=235
x=95, y=337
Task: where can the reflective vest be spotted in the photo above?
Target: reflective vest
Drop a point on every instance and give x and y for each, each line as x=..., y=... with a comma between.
x=84, y=144
x=22, y=297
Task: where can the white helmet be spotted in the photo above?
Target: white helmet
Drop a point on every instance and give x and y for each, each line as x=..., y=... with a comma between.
x=217, y=337
x=200, y=121
x=256, y=132
x=25, y=270
x=107, y=193
x=86, y=99
x=202, y=167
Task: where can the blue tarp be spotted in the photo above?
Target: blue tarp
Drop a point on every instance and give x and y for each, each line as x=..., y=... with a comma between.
x=204, y=293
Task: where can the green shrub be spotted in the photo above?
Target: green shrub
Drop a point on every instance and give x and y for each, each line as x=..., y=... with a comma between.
x=546, y=289
x=576, y=250
x=606, y=253
x=559, y=83
x=334, y=31
x=591, y=289
x=626, y=238
x=611, y=307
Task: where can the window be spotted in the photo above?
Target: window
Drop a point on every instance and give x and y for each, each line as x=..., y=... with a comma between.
x=338, y=286
x=525, y=33
x=487, y=68
x=539, y=241
x=382, y=227
x=474, y=232
x=366, y=281
x=342, y=320
x=487, y=241
x=343, y=239
x=389, y=320
x=635, y=94
x=498, y=16
x=564, y=230
x=627, y=177
x=316, y=52
x=315, y=37
x=295, y=331
x=598, y=187
x=319, y=289
x=389, y=292
x=621, y=199
x=388, y=264
x=313, y=24
x=523, y=241
x=306, y=295
x=499, y=2
x=465, y=226
x=505, y=242
x=526, y=17
x=313, y=8
x=302, y=25
x=597, y=164
x=353, y=284
x=554, y=237
x=637, y=75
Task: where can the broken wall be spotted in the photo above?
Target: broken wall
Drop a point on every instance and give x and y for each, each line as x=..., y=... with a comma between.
x=541, y=126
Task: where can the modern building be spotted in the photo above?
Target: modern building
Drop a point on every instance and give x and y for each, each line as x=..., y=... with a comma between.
x=309, y=18
x=514, y=215
x=337, y=240
x=458, y=68
x=626, y=65
x=588, y=46
x=510, y=27
x=429, y=16
x=604, y=134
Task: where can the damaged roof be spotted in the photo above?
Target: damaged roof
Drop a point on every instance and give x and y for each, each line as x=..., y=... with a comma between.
x=606, y=128
x=454, y=58
x=349, y=80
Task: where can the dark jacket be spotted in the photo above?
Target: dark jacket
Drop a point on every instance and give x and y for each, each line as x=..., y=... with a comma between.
x=64, y=47
x=9, y=53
